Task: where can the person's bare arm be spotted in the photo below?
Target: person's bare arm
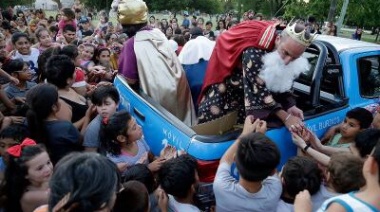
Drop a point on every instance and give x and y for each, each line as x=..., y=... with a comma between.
x=318, y=156
x=335, y=207
x=328, y=150
x=249, y=127
x=33, y=199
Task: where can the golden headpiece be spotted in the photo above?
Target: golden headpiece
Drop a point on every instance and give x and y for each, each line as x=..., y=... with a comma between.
x=132, y=12
x=303, y=37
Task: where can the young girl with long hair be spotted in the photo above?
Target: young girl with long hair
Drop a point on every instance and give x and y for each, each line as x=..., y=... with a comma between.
x=83, y=182
x=26, y=177
x=44, y=40
x=59, y=136
x=102, y=59
x=122, y=138
x=67, y=17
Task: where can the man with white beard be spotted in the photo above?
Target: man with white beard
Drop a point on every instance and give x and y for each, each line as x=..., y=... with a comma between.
x=252, y=70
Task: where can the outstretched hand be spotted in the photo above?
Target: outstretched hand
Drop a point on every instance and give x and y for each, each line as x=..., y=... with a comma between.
x=303, y=203
x=295, y=111
x=252, y=125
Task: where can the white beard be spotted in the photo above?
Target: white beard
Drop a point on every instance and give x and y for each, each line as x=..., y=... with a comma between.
x=279, y=77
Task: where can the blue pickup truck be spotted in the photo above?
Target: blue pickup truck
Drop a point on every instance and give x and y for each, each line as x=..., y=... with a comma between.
x=344, y=74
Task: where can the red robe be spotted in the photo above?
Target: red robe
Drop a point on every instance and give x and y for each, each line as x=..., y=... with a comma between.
x=230, y=45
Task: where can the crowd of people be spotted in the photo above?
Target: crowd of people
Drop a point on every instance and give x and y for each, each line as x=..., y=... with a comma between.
x=65, y=146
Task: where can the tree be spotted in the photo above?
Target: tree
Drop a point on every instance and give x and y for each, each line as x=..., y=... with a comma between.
x=12, y=3
x=332, y=10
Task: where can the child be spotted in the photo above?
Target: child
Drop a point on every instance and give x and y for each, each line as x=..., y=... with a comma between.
x=10, y=136
x=84, y=182
x=19, y=69
x=60, y=136
x=122, y=139
x=27, y=177
x=256, y=159
x=87, y=55
x=178, y=177
x=343, y=175
x=298, y=173
x=80, y=85
x=134, y=198
x=86, y=27
x=22, y=44
x=102, y=57
x=67, y=18
x=364, y=143
x=106, y=99
x=356, y=120
x=365, y=200
x=141, y=173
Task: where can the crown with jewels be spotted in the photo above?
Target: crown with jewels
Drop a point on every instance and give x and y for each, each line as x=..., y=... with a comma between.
x=304, y=37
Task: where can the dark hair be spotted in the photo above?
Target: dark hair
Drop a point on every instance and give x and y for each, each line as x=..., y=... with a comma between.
x=179, y=39
x=16, y=132
x=14, y=65
x=17, y=35
x=133, y=198
x=177, y=31
x=232, y=23
x=224, y=25
x=40, y=100
x=376, y=155
x=141, y=173
x=177, y=175
x=70, y=51
x=39, y=31
x=69, y=13
x=152, y=17
x=15, y=183
x=311, y=19
x=132, y=29
x=257, y=156
x=42, y=60
x=301, y=173
x=6, y=25
x=87, y=180
x=56, y=17
x=98, y=51
x=366, y=140
x=209, y=22
x=68, y=27
x=59, y=68
x=363, y=116
x=116, y=125
x=101, y=93
x=346, y=172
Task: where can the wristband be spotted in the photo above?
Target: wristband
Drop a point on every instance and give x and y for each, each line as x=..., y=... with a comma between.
x=287, y=118
x=306, y=147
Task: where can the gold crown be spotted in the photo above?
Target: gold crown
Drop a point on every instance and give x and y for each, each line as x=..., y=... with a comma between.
x=304, y=37
x=132, y=12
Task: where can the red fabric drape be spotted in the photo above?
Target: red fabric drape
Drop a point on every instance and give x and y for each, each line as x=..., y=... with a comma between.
x=230, y=45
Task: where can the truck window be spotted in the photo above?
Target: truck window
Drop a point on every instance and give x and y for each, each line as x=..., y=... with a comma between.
x=330, y=95
x=369, y=76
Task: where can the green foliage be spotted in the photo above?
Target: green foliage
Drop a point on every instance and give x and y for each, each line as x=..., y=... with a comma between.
x=363, y=13
x=359, y=12
x=12, y=3
x=100, y=5
x=208, y=6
